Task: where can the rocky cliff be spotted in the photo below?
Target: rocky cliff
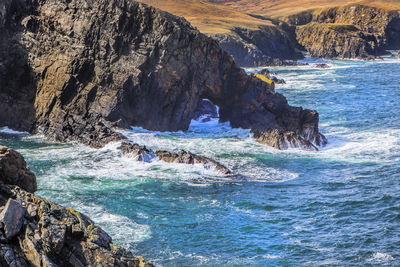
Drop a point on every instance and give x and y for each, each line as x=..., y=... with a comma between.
x=354, y=31
x=38, y=232
x=266, y=46
x=335, y=28
x=86, y=66
x=252, y=40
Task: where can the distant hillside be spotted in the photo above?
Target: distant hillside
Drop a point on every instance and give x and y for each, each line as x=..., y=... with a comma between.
x=284, y=8
x=268, y=32
x=253, y=41
x=208, y=17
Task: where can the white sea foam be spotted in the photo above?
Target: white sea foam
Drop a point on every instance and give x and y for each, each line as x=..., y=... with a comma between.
x=269, y=256
x=381, y=257
x=363, y=146
x=7, y=130
x=123, y=229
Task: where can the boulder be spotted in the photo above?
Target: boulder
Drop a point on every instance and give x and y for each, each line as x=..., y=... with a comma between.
x=11, y=218
x=13, y=170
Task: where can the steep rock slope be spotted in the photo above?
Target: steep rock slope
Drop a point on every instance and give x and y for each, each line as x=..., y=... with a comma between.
x=252, y=40
x=348, y=32
x=38, y=232
x=336, y=28
x=265, y=46
x=98, y=64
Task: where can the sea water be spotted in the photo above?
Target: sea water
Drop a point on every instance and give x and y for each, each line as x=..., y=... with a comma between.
x=339, y=206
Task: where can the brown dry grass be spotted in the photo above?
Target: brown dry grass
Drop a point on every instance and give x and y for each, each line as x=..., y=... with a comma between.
x=283, y=8
x=220, y=16
x=208, y=17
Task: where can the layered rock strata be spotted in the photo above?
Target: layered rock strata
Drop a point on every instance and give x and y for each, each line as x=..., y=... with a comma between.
x=38, y=232
x=354, y=31
x=89, y=66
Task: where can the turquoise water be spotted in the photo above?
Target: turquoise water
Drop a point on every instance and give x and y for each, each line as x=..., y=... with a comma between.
x=336, y=207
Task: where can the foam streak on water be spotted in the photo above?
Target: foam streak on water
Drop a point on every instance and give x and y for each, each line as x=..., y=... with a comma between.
x=336, y=207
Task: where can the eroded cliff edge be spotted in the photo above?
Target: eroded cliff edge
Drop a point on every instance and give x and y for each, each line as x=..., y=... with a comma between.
x=73, y=70
x=38, y=232
x=354, y=31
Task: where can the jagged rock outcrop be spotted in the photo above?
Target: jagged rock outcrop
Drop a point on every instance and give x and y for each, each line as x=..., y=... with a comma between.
x=285, y=140
x=98, y=64
x=354, y=31
x=38, y=232
x=269, y=45
x=147, y=155
x=14, y=171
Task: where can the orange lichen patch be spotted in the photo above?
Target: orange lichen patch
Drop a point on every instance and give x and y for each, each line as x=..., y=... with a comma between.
x=263, y=78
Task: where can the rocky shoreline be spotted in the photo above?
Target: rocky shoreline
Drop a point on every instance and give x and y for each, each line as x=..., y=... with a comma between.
x=38, y=232
x=88, y=67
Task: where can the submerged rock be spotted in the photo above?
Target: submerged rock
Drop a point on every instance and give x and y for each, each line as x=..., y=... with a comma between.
x=38, y=232
x=322, y=66
x=143, y=154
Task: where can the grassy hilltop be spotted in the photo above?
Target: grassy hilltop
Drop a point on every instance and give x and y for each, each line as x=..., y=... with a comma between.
x=283, y=8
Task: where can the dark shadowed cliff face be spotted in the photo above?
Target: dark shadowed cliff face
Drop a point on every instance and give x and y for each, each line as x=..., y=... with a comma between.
x=17, y=80
x=348, y=32
x=269, y=45
x=99, y=64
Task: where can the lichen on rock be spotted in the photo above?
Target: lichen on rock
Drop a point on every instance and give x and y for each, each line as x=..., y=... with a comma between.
x=38, y=232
